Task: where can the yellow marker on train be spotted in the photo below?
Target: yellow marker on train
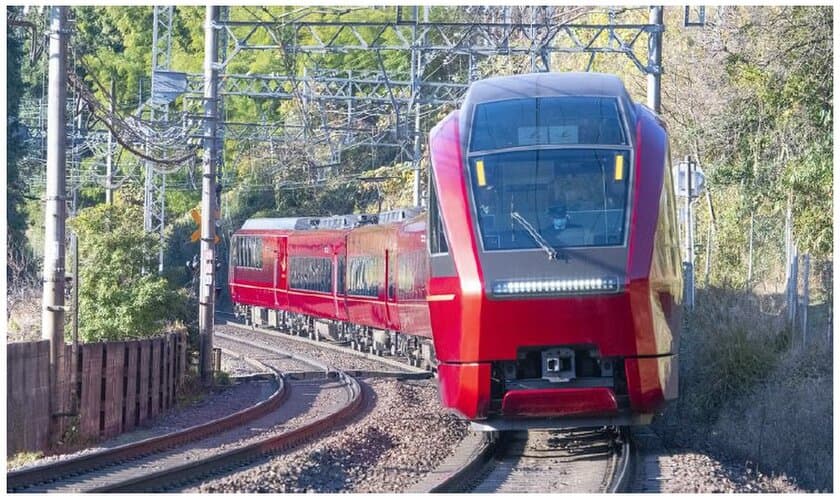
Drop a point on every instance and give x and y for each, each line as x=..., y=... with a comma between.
x=619, y=167
x=479, y=172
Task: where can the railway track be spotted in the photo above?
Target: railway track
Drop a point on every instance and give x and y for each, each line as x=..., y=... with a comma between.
x=290, y=416
x=562, y=461
x=571, y=460
x=405, y=369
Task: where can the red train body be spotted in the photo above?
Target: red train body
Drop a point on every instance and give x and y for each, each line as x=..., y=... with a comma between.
x=545, y=282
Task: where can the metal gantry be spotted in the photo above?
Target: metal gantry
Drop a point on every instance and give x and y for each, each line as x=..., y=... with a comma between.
x=505, y=32
x=154, y=204
x=338, y=109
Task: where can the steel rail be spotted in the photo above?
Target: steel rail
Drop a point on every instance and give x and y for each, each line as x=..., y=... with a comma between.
x=622, y=469
x=188, y=472
x=48, y=473
x=459, y=480
x=346, y=350
x=473, y=471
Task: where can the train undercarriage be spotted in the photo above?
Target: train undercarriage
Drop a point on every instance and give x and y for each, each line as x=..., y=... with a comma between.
x=411, y=349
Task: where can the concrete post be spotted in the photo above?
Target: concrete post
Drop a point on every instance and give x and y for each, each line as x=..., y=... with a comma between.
x=55, y=208
x=206, y=294
x=806, y=296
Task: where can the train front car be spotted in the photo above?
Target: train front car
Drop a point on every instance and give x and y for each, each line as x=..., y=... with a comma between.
x=555, y=283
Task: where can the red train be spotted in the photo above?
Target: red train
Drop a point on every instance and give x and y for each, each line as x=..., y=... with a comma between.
x=544, y=283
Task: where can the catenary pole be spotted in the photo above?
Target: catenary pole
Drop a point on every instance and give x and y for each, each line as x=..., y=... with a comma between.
x=208, y=195
x=109, y=169
x=654, y=84
x=52, y=318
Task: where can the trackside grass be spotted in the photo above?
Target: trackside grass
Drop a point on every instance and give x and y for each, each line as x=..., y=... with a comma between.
x=750, y=389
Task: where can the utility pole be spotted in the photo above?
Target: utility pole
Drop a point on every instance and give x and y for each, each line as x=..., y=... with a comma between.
x=206, y=293
x=416, y=75
x=109, y=169
x=689, y=236
x=654, y=99
x=74, y=238
x=52, y=319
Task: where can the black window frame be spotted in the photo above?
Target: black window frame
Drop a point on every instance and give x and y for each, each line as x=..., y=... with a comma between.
x=438, y=245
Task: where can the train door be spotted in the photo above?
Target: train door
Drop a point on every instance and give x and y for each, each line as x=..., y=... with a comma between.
x=336, y=291
x=280, y=272
x=391, y=311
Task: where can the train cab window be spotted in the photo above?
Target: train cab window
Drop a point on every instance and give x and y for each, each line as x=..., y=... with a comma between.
x=550, y=171
x=437, y=236
x=310, y=273
x=575, y=197
x=547, y=121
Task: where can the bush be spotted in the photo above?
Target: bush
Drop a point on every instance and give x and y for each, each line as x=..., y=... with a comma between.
x=117, y=299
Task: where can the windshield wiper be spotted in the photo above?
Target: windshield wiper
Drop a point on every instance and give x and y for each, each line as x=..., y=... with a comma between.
x=552, y=252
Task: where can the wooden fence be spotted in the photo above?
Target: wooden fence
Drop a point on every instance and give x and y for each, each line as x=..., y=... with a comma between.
x=117, y=387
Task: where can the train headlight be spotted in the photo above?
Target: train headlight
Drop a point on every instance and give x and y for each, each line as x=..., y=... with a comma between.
x=555, y=286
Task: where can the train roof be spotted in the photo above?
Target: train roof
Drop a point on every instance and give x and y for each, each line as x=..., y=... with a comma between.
x=546, y=84
x=348, y=221
x=287, y=223
x=594, y=86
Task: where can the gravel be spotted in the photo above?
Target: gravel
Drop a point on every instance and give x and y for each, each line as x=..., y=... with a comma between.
x=283, y=364
x=403, y=435
x=309, y=399
x=689, y=472
x=339, y=360
x=218, y=403
x=561, y=461
x=681, y=470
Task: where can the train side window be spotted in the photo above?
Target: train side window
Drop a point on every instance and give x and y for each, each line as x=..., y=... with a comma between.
x=366, y=275
x=437, y=236
x=249, y=252
x=392, y=274
x=234, y=251
x=310, y=273
x=340, y=275
x=409, y=267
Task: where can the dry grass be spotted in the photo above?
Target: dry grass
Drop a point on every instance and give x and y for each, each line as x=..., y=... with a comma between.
x=24, y=320
x=786, y=422
x=23, y=458
x=749, y=389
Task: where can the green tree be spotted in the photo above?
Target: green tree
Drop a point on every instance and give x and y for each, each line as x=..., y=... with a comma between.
x=17, y=250
x=116, y=299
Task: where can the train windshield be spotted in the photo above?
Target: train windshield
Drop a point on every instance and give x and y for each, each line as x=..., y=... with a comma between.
x=567, y=120
x=551, y=198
